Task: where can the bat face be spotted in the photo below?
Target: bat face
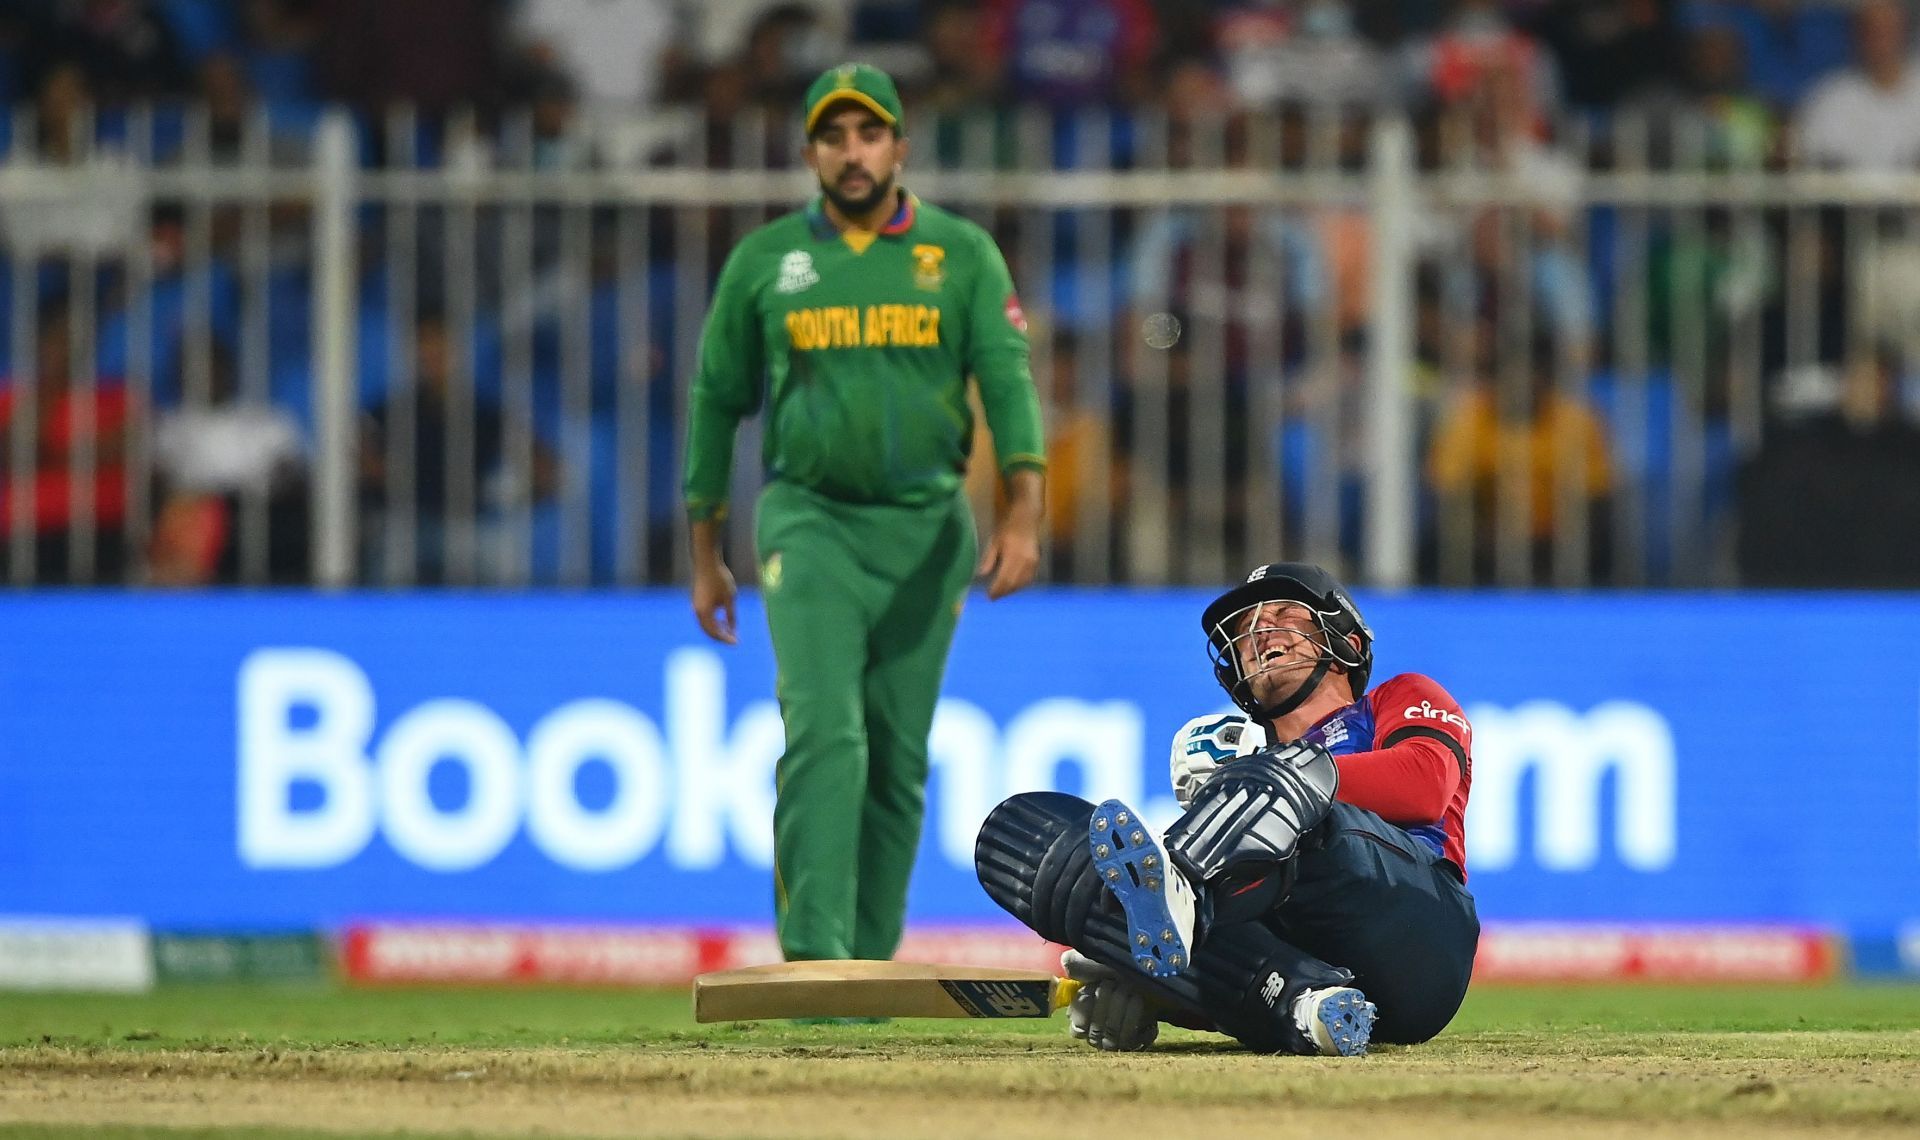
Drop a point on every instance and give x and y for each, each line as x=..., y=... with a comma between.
x=875, y=989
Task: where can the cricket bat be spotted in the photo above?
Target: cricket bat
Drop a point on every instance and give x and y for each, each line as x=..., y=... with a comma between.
x=859, y=988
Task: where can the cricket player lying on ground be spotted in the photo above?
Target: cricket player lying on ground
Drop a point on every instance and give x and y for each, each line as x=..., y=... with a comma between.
x=1313, y=895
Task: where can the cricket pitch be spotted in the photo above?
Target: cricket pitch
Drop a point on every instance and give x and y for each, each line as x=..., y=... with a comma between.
x=1835, y=1061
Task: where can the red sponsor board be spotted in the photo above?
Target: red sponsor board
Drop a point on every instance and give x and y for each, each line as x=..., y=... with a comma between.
x=481, y=953
x=1552, y=952
x=507, y=954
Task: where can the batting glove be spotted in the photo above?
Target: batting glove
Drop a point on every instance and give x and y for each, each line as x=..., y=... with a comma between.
x=1206, y=742
x=1108, y=1012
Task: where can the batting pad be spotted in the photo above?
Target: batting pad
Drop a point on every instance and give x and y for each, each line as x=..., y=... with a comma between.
x=858, y=988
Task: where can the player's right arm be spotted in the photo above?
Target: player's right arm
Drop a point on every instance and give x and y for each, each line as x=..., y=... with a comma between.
x=1420, y=757
x=727, y=386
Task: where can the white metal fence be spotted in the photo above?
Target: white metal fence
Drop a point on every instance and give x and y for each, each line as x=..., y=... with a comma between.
x=405, y=352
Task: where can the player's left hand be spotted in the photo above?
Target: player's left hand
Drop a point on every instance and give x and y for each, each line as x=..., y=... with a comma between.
x=1108, y=1012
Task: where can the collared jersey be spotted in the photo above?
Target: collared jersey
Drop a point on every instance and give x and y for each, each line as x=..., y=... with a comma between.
x=859, y=347
x=1405, y=753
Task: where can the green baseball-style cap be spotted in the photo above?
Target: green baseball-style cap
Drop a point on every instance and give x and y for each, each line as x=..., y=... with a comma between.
x=860, y=83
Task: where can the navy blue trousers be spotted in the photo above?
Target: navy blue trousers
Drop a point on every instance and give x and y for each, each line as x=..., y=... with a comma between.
x=1374, y=900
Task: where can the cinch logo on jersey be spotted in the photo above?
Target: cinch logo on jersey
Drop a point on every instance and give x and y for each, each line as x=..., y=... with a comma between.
x=1425, y=711
x=881, y=326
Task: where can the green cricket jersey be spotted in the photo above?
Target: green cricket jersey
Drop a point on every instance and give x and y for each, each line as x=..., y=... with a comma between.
x=859, y=348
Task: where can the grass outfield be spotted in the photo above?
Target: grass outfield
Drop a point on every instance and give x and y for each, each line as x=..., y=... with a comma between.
x=286, y=1063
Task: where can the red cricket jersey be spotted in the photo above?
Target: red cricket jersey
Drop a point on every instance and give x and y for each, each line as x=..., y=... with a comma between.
x=1405, y=753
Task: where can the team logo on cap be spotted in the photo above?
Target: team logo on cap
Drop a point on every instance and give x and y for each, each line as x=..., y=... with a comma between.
x=927, y=271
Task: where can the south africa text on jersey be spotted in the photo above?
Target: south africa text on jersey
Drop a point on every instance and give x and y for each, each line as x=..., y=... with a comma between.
x=879, y=326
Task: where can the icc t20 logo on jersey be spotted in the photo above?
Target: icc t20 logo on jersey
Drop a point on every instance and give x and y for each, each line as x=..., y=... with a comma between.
x=796, y=272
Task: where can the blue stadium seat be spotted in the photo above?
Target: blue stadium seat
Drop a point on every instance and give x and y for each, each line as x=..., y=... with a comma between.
x=281, y=79
x=1644, y=457
x=202, y=27
x=170, y=318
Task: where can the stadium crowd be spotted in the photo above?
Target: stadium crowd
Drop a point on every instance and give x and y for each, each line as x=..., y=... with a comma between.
x=1540, y=90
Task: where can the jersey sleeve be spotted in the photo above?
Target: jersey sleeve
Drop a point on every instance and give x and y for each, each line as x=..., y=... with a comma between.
x=727, y=386
x=997, y=358
x=1422, y=746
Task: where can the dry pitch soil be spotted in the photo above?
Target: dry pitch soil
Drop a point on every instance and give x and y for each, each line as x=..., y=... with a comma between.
x=478, y=1064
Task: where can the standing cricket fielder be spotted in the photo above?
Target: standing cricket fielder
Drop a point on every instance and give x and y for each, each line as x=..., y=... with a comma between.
x=855, y=325
x=1320, y=861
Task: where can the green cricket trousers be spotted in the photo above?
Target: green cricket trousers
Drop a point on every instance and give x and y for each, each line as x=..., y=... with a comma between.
x=862, y=600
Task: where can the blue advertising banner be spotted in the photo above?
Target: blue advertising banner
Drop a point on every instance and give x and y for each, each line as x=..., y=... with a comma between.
x=294, y=760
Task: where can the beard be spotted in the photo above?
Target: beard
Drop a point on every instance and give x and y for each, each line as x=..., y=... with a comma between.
x=855, y=206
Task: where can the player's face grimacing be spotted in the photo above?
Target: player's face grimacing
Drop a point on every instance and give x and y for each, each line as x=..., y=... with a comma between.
x=856, y=156
x=1276, y=644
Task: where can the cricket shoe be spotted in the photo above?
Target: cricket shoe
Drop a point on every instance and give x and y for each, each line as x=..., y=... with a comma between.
x=1158, y=901
x=1337, y=1019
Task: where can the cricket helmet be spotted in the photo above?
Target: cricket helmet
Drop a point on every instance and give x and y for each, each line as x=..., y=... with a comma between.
x=1333, y=612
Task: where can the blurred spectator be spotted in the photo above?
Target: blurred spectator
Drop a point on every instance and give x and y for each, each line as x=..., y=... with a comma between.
x=1788, y=44
x=1706, y=119
x=1705, y=284
x=1610, y=50
x=63, y=126
x=963, y=76
x=1500, y=441
x=606, y=61
x=1075, y=53
x=789, y=45
x=234, y=114
x=560, y=140
x=97, y=211
x=1239, y=270
x=612, y=49
x=223, y=88
x=1534, y=234
x=210, y=462
x=1236, y=269
x=1868, y=116
x=75, y=466
x=1082, y=464
x=126, y=47
x=16, y=36
x=1832, y=499
x=280, y=36
x=1739, y=129
x=434, y=54
x=1300, y=51
x=1166, y=392
x=455, y=462
x=1478, y=41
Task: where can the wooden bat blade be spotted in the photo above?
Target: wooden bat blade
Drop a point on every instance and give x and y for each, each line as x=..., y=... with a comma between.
x=859, y=988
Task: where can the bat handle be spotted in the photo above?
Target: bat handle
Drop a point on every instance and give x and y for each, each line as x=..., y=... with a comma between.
x=1063, y=991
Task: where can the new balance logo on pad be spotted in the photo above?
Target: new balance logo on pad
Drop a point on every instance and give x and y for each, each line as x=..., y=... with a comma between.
x=1271, y=990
